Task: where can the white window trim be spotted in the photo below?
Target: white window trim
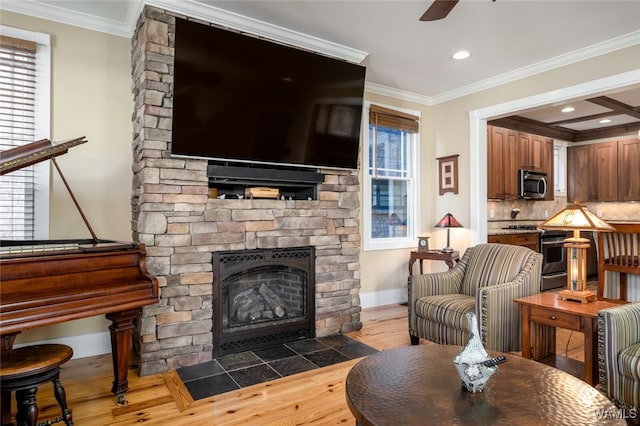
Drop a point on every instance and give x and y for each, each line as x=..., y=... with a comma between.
x=560, y=172
x=370, y=244
x=42, y=123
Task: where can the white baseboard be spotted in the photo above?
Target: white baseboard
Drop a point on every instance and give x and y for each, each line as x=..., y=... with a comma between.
x=83, y=346
x=380, y=298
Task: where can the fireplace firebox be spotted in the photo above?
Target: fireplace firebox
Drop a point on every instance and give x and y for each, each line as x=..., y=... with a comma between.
x=262, y=298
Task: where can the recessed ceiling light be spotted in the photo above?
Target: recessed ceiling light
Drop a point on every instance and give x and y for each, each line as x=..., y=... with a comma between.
x=462, y=54
x=568, y=109
x=604, y=121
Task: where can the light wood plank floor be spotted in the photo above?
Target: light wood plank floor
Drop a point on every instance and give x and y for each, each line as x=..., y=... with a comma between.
x=314, y=397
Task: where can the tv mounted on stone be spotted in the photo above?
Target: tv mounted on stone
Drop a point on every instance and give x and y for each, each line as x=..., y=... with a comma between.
x=239, y=98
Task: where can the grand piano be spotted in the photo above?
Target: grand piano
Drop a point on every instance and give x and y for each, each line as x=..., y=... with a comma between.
x=53, y=281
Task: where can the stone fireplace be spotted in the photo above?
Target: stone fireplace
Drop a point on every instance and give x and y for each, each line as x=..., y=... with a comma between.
x=182, y=227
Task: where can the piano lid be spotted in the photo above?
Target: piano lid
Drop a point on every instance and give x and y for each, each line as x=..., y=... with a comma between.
x=34, y=152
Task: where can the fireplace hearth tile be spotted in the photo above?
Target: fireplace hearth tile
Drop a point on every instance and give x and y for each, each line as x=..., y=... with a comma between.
x=276, y=352
x=336, y=340
x=292, y=365
x=356, y=350
x=306, y=346
x=253, y=375
x=198, y=371
x=239, y=360
x=326, y=357
x=211, y=385
x=235, y=371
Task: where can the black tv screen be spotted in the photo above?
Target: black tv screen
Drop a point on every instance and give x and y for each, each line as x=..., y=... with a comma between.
x=241, y=98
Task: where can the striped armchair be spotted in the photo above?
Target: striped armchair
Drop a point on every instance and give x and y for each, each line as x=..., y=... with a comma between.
x=619, y=354
x=485, y=281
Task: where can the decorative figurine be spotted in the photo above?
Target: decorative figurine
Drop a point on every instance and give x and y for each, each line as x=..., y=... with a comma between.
x=474, y=364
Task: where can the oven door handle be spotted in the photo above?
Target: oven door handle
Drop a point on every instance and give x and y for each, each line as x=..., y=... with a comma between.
x=552, y=241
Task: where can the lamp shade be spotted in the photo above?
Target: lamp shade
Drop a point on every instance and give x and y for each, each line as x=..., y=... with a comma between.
x=576, y=217
x=448, y=221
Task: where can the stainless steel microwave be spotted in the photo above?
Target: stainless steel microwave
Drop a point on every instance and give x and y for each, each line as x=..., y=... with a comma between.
x=532, y=185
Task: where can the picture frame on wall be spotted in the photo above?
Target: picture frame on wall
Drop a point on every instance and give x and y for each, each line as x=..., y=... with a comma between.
x=448, y=174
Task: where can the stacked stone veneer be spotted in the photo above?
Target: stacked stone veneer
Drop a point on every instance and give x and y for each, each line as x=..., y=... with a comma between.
x=181, y=227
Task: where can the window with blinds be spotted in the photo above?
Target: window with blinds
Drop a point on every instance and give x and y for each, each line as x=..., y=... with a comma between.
x=17, y=127
x=390, y=181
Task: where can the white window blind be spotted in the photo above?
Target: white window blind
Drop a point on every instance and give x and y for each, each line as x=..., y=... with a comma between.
x=17, y=127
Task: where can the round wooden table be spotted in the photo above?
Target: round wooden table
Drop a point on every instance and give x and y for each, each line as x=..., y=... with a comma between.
x=418, y=385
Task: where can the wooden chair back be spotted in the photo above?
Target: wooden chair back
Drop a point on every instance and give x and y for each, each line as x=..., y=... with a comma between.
x=618, y=252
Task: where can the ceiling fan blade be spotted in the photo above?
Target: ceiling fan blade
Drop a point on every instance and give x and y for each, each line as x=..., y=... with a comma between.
x=439, y=9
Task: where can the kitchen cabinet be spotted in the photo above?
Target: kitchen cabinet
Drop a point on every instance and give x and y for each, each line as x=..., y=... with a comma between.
x=502, y=166
x=507, y=152
x=526, y=239
x=605, y=171
x=535, y=153
x=629, y=170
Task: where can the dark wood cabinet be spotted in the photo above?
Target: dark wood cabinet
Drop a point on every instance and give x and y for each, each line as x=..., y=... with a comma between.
x=579, y=173
x=502, y=166
x=507, y=152
x=593, y=172
x=629, y=170
x=527, y=239
x=535, y=152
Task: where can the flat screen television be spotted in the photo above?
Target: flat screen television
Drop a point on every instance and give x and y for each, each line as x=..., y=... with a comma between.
x=241, y=98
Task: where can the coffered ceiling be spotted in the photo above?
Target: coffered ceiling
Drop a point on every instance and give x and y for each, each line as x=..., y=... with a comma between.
x=611, y=115
x=507, y=39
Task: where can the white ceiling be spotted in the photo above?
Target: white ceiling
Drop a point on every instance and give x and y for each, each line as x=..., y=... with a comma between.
x=508, y=39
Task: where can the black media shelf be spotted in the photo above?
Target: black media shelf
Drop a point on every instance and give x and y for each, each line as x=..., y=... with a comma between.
x=295, y=184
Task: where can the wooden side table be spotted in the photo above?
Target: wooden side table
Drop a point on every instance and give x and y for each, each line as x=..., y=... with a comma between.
x=448, y=258
x=546, y=311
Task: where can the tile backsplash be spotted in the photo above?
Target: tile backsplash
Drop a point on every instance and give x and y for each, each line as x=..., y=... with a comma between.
x=537, y=211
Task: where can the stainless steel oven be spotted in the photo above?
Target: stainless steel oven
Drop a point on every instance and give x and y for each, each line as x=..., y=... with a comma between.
x=554, y=262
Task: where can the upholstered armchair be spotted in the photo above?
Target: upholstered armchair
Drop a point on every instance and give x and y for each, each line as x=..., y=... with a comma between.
x=486, y=281
x=619, y=354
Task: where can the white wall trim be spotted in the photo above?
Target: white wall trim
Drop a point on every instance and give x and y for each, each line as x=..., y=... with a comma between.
x=478, y=137
x=381, y=298
x=83, y=346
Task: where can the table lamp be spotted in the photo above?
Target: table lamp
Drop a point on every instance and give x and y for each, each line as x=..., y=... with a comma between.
x=448, y=221
x=576, y=218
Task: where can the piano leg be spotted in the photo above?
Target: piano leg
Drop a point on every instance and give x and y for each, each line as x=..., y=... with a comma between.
x=121, y=329
x=5, y=404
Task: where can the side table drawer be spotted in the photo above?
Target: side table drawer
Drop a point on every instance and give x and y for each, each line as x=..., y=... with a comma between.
x=554, y=318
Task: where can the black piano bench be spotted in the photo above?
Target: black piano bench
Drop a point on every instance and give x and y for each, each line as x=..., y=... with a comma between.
x=22, y=370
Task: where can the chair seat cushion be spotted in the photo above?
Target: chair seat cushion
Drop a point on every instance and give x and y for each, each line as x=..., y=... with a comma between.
x=629, y=361
x=447, y=309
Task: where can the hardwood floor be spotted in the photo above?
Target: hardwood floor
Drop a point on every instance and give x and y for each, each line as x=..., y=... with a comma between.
x=314, y=397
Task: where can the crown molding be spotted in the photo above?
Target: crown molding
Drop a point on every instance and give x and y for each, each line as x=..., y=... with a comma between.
x=51, y=12
x=608, y=46
x=260, y=28
x=403, y=95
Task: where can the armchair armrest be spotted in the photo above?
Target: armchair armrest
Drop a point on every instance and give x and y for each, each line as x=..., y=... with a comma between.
x=617, y=329
x=619, y=326
x=447, y=282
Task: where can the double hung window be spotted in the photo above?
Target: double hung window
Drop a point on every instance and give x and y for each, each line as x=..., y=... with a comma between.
x=390, y=178
x=24, y=118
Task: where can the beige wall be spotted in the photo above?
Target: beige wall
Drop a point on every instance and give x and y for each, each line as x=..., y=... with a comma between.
x=91, y=96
